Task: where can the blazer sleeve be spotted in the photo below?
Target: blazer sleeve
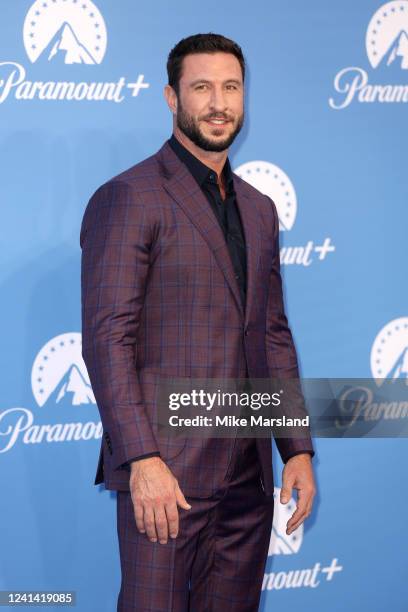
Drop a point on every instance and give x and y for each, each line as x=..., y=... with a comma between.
x=116, y=239
x=280, y=348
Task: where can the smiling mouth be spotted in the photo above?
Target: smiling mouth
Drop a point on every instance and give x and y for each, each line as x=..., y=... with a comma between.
x=217, y=121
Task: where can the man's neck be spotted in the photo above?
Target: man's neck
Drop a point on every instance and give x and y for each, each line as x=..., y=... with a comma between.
x=213, y=159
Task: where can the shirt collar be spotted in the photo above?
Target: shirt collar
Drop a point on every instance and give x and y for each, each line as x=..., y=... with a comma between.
x=200, y=171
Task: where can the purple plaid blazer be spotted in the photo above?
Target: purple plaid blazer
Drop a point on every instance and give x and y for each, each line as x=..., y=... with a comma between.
x=160, y=299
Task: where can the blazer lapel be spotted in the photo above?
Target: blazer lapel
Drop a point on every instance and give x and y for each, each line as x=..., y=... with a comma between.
x=251, y=223
x=182, y=187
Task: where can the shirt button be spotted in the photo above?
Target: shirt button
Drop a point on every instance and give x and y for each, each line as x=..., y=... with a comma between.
x=237, y=276
x=246, y=332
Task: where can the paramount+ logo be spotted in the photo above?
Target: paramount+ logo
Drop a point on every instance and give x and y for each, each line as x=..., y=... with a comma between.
x=66, y=409
x=64, y=37
x=387, y=52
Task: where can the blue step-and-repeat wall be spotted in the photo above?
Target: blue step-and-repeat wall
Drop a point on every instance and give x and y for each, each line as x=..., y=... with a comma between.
x=326, y=137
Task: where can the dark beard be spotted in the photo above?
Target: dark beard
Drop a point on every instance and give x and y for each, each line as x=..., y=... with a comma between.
x=190, y=128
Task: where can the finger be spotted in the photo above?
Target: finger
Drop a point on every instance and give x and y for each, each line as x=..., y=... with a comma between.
x=181, y=500
x=149, y=523
x=305, y=500
x=298, y=515
x=291, y=527
x=161, y=523
x=286, y=490
x=302, y=501
x=172, y=518
x=138, y=511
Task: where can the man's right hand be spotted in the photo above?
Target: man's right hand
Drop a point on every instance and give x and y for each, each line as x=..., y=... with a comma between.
x=155, y=495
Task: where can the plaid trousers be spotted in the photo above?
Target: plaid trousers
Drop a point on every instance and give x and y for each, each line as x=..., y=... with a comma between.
x=219, y=556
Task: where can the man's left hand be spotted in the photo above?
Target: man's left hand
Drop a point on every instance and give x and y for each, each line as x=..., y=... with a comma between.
x=298, y=474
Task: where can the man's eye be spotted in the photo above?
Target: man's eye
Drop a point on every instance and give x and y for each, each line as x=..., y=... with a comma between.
x=231, y=87
x=201, y=86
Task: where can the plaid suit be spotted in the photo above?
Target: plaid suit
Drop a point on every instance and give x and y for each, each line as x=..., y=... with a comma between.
x=160, y=299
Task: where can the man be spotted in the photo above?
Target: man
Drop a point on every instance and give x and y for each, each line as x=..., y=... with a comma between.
x=181, y=278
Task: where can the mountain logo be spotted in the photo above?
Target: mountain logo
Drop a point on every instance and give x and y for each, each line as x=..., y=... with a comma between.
x=281, y=543
x=65, y=31
x=59, y=372
x=387, y=36
x=389, y=353
x=273, y=182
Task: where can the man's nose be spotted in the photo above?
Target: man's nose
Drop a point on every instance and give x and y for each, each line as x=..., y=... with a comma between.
x=218, y=100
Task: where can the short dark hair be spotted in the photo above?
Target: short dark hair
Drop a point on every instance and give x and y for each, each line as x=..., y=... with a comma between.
x=200, y=43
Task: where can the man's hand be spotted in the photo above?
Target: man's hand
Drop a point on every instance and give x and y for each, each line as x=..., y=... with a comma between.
x=298, y=474
x=155, y=494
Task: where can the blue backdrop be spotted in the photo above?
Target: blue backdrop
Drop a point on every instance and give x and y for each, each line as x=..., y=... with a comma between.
x=326, y=131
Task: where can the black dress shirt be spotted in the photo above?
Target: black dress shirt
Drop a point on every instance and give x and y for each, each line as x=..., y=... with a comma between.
x=226, y=211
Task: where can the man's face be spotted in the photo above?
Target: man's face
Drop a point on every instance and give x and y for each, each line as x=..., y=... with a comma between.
x=210, y=103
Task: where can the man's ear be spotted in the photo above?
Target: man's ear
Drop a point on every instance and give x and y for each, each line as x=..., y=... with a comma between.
x=171, y=98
